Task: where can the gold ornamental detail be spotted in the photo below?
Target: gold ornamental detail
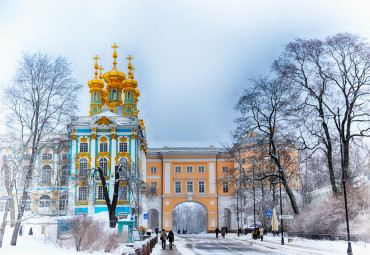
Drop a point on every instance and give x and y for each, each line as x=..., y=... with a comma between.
x=133, y=137
x=74, y=137
x=83, y=140
x=123, y=139
x=93, y=136
x=94, y=129
x=104, y=120
x=114, y=136
x=104, y=139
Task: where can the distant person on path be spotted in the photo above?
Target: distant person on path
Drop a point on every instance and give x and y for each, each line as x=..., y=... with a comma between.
x=21, y=231
x=226, y=230
x=178, y=231
x=156, y=230
x=31, y=232
x=239, y=231
x=170, y=238
x=217, y=231
x=163, y=238
x=183, y=231
x=261, y=233
x=223, y=232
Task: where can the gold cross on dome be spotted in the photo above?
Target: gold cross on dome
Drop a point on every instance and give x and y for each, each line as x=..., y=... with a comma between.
x=115, y=46
x=96, y=58
x=101, y=68
x=129, y=58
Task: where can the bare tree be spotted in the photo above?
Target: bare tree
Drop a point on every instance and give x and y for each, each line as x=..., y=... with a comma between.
x=264, y=110
x=40, y=100
x=333, y=77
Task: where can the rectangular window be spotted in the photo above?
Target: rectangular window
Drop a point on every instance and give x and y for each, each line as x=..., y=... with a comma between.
x=122, y=193
x=82, y=193
x=104, y=147
x=177, y=169
x=47, y=156
x=64, y=156
x=200, y=169
x=84, y=147
x=122, y=147
x=177, y=187
x=189, y=187
x=153, y=187
x=100, y=193
x=225, y=169
x=153, y=170
x=201, y=186
x=189, y=169
x=225, y=187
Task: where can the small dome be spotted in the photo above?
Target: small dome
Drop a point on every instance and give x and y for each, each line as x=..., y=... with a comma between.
x=96, y=83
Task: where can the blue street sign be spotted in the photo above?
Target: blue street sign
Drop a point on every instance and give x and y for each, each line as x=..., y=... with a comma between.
x=237, y=219
x=269, y=213
x=145, y=216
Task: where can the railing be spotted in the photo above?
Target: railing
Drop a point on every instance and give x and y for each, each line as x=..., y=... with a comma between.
x=88, y=119
x=332, y=237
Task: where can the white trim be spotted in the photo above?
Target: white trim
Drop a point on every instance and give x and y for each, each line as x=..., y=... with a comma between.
x=154, y=177
x=212, y=184
x=189, y=159
x=167, y=178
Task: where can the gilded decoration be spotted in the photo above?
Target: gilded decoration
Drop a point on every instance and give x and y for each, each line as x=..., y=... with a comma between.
x=94, y=129
x=123, y=139
x=104, y=121
x=122, y=202
x=83, y=140
x=74, y=137
x=100, y=202
x=104, y=139
x=93, y=136
x=74, y=130
x=82, y=202
x=113, y=129
x=114, y=136
x=133, y=136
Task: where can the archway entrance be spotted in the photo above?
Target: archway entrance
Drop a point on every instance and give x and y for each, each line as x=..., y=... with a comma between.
x=227, y=218
x=189, y=216
x=153, y=219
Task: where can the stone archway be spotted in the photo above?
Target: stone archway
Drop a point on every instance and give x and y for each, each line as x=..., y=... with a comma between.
x=183, y=217
x=153, y=218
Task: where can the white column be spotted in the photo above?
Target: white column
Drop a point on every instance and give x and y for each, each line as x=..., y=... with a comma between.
x=72, y=189
x=114, y=154
x=133, y=149
x=212, y=180
x=93, y=151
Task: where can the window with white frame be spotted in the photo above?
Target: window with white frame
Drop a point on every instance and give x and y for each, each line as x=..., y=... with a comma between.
x=44, y=201
x=123, y=147
x=103, y=163
x=103, y=147
x=47, y=156
x=177, y=169
x=153, y=187
x=189, y=187
x=177, y=187
x=46, y=174
x=83, y=167
x=82, y=193
x=225, y=187
x=200, y=169
x=64, y=175
x=225, y=169
x=201, y=186
x=153, y=170
x=122, y=193
x=63, y=202
x=100, y=195
x=84, y=147
x=189, y=169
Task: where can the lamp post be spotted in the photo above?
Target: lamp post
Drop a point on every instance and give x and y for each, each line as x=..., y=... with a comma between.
x=281, y=212
x=321, y=120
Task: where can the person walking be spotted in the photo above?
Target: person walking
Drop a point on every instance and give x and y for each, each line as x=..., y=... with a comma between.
x=261, y=233
x=223, y=232
x=31, y=232
x=21, y=231
x=163, y=239
x=170, y=238
x=226, y=230
x=217, y=231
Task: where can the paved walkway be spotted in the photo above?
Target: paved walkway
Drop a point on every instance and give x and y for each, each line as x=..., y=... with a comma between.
x=174, y=250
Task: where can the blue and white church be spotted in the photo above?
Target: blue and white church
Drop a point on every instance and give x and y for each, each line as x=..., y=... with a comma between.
x=110, y=135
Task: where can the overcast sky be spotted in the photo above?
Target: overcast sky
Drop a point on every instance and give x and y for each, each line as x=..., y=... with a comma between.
x=192, y=58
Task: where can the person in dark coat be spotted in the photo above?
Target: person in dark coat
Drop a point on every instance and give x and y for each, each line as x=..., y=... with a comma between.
x=183, y=232
x=21, y=231
x=217, y=231
x=178, y=231
x=226, y=230
x=31, y=232
x=170, y=238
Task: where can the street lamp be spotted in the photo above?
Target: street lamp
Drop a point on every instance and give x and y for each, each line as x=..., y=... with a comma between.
x=321, y=120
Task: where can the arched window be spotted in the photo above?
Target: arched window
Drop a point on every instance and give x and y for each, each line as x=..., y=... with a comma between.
x=63, y=202
x=104, y=147
x=103, y=163
x=114, y=94
x=64, y=175
x=83, y=167
x=46, y=174
x=128, y=95
x=27, y=204
x=44, y=201
x=94, y=96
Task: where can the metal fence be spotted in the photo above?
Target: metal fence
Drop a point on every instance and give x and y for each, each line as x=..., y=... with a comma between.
x=332, y=237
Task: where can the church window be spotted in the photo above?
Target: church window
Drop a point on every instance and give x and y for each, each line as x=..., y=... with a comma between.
x=103, y=147
x=64, y=175
x=100, y=193
x=122, y=147
x=44, y=201
x=83, y=167
x=128, y=95
x=95, y=96
x=46, y=174
x=114, y=94
x=63, y=202
x=103, y=163
x=82, y=193
x=84, y=147
x=122, y=193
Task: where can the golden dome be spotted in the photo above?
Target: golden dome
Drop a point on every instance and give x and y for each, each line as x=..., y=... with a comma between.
x=130, y=80
x=96, y=83
x=114, y=76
